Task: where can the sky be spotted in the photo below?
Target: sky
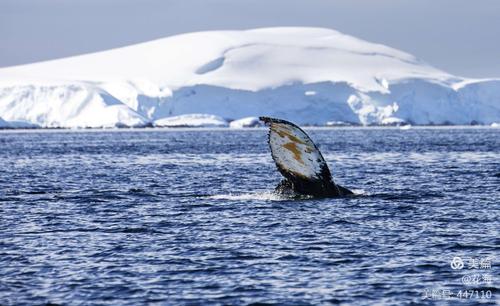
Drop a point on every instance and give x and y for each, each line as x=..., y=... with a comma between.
x=461, y=37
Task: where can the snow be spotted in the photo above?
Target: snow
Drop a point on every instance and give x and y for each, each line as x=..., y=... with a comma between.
x=192, y=120
x=3, y=123
x=16, y=125
x=311, y=76
x=393, y=121
x=245, y=123
x=337, y=123
x=68, y=105
x=405, y=127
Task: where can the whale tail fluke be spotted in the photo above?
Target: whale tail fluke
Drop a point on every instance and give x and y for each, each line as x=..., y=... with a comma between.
x=300, y=161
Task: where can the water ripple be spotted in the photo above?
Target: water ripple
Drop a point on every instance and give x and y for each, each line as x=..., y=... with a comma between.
x=188, y=217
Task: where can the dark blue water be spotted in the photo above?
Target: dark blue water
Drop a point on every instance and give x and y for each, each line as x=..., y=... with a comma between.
x=188, y=217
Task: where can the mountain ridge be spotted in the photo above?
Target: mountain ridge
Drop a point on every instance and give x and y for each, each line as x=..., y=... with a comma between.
x=308, y=75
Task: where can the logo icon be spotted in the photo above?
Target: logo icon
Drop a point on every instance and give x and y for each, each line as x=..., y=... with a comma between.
x=457, y=263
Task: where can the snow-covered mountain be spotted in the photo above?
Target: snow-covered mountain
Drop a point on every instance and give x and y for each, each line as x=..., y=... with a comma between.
x=308, y=75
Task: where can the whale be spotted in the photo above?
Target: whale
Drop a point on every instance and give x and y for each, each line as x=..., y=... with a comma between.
x=300, y=162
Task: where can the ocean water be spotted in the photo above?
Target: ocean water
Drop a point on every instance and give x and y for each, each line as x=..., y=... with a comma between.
x=188, y=217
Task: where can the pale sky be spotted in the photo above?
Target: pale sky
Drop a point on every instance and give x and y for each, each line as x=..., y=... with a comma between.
x=459, y=36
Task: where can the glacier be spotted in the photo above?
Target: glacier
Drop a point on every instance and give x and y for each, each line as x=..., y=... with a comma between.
x=312, y=76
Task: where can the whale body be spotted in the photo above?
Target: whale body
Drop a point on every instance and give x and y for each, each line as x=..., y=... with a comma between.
x=299, y=160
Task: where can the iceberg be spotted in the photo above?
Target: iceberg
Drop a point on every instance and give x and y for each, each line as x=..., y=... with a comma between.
x=245, y=123
x=191, y=120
